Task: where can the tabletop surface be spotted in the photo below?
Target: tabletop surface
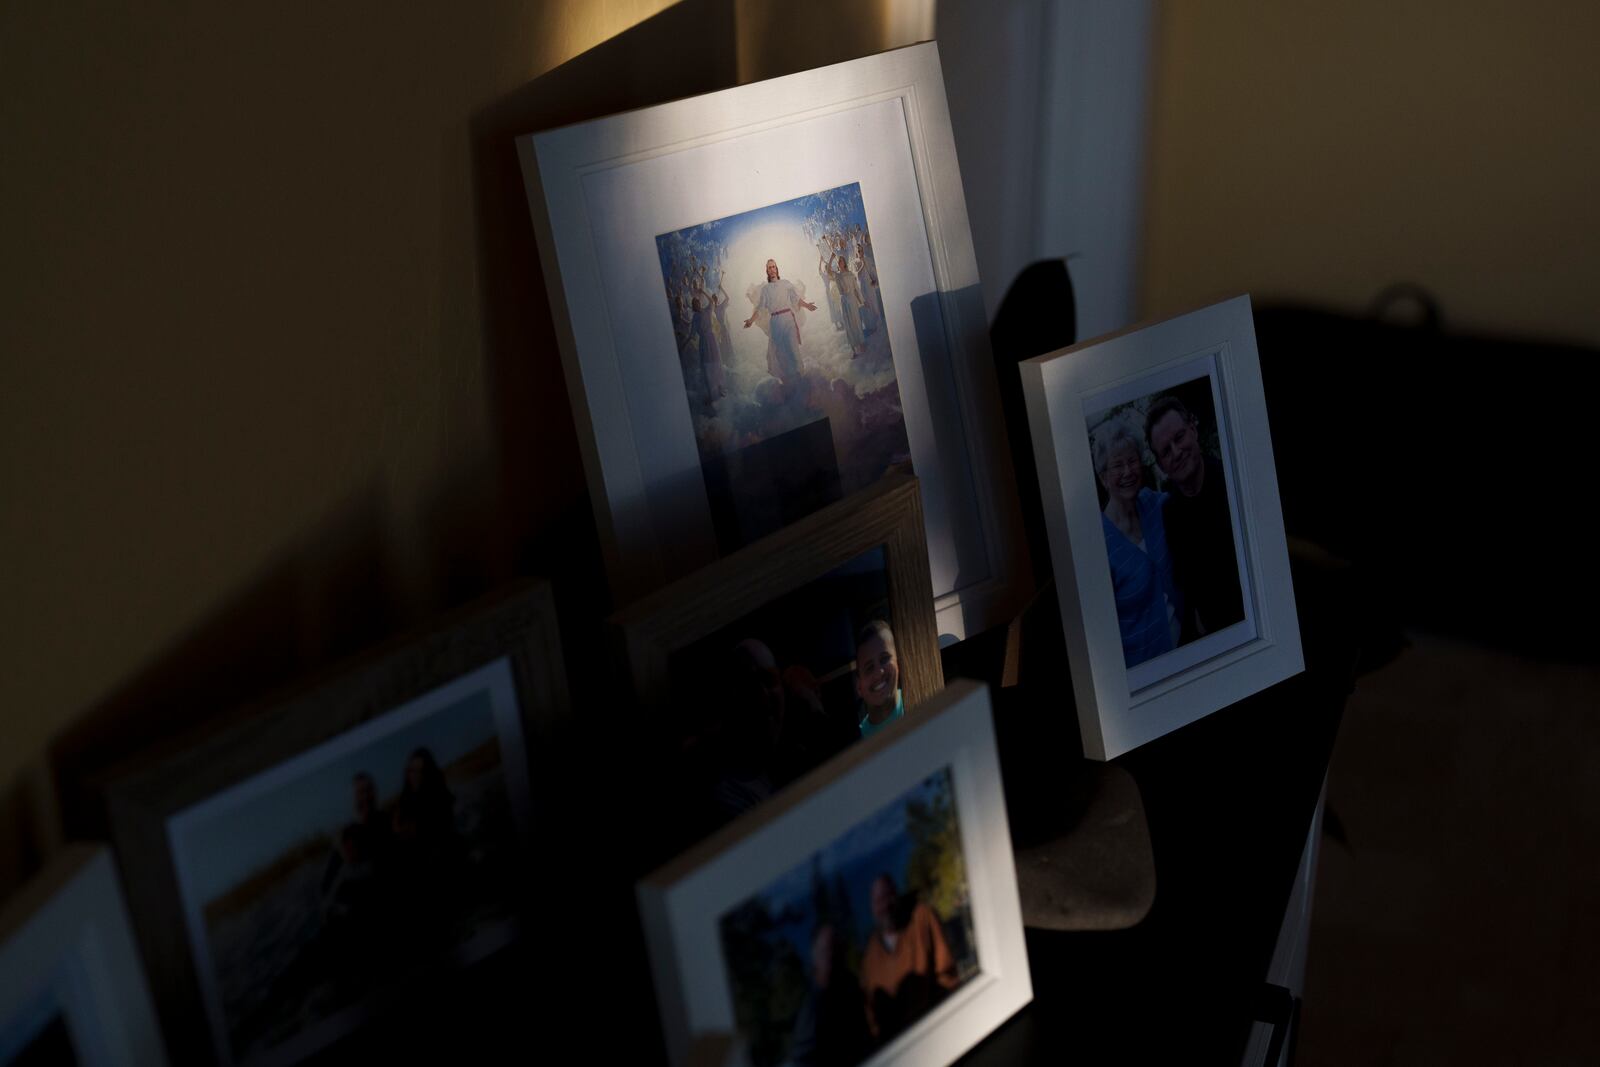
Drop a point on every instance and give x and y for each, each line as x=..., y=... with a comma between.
x=1229, y=800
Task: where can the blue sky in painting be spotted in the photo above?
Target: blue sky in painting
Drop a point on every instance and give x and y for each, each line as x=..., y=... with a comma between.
x=842, y=206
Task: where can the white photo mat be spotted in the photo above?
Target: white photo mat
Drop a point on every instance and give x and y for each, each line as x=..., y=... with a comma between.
x=682, y=904
x=493, y=678
x=67, y=951
x=1118, y=708
x=600, y=194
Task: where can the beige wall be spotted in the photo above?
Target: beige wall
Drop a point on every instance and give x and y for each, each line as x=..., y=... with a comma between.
x=256, y=365
x=276, y=368
x=1320, y=151
x=778, y=38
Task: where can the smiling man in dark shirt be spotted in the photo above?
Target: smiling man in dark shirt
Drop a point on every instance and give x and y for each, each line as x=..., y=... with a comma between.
x=1198, y=524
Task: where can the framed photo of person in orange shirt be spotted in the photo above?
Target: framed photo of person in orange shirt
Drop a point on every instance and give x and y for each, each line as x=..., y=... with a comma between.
x=869, y=915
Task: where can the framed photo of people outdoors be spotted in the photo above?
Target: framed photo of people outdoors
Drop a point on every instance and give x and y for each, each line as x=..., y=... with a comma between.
x=320, y=858
x=72, y=989
x=1161, y=502
x=869, y=915
x=765, y=664
x=767, y=299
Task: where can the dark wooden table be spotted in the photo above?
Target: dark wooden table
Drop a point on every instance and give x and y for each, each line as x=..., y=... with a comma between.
x=1229, y=800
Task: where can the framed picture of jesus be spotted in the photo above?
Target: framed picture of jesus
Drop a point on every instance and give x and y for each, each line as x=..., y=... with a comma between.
x=767, y=300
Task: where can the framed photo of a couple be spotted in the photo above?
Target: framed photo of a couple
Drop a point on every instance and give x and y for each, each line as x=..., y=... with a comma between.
x=310, y=867
x=1161, y=502
x=766, y=300
x=869, y=915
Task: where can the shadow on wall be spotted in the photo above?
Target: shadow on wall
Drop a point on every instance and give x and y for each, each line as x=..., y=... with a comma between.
x=338, y=588
x=1443, y=463
x=327, y=595
x=778, y=39
x=683, y=51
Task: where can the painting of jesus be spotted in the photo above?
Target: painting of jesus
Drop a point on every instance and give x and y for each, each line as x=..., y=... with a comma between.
x=793, y=396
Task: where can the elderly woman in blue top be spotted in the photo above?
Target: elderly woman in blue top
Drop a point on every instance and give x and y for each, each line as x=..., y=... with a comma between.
x=1136, y=545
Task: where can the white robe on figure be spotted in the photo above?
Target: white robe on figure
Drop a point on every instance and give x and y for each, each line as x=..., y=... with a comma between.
x=704, y=309
x=869, y=305
x=779, y=313
x=850, y=290
x=720, y=298
x=870, y=294
x=835, y=306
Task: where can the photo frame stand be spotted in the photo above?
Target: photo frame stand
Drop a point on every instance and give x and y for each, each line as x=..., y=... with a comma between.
x=1079, y=826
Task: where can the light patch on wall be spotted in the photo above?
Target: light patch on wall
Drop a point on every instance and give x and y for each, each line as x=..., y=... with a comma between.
x=579, y=25
x=777, y=39
x=1318, y=153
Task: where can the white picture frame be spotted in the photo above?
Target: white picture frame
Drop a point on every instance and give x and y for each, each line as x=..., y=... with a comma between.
x=266, y=858
x=684, y=904
x=1128, y=692
x=69, y=969
x=198, y=833
x=601, y=193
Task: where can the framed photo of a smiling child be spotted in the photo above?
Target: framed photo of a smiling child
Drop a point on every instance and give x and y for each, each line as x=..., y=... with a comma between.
x=774, y=660
x=766, y=300
x=1161, y=502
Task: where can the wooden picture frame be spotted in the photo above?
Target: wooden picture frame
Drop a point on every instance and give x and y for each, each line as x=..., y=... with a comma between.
x=489, y=681
x=812, y=843
x=887, y=515
x=1228, y=626
x=70, y=975
x=753, y=637
x=873, y=131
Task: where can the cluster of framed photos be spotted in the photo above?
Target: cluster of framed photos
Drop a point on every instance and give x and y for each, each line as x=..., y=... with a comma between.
x=856, y=899
x=291, y=874
x=768, y=309
x=766, y=299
